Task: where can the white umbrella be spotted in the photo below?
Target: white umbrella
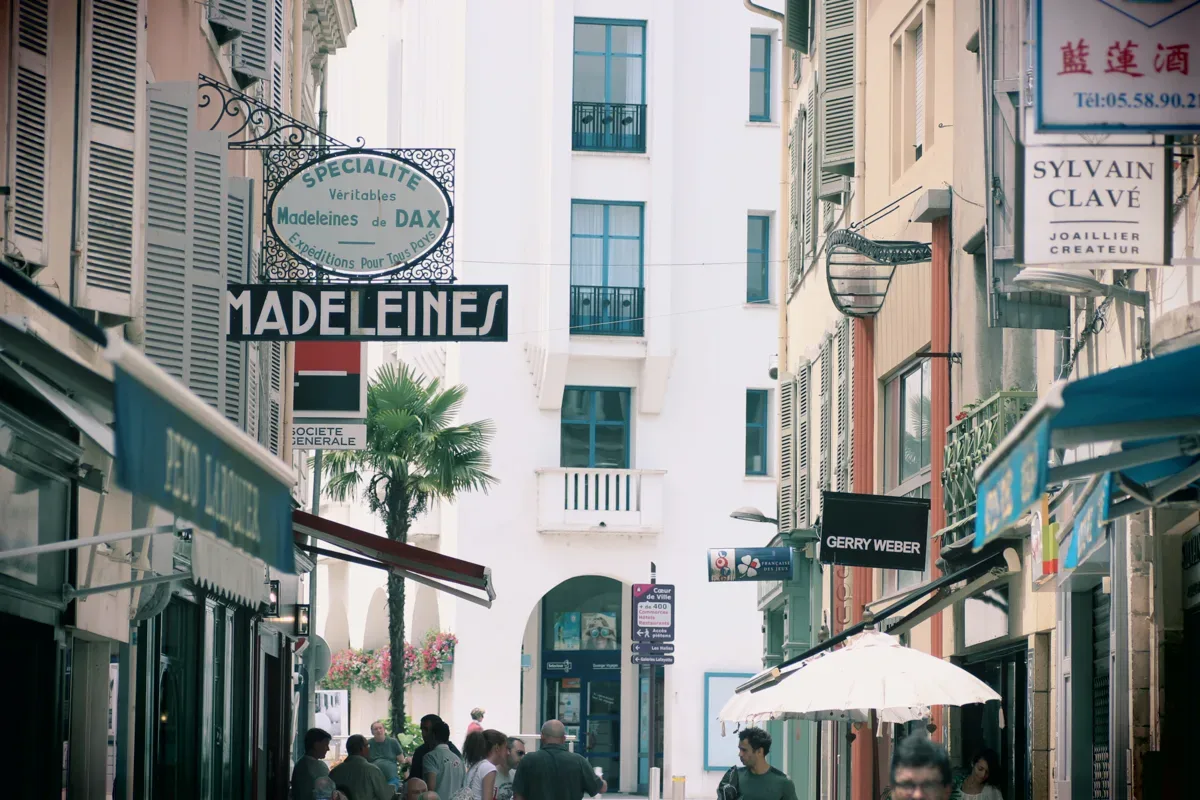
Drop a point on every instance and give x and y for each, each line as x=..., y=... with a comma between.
x=874, y=671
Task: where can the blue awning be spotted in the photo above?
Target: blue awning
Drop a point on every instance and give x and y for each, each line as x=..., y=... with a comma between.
x=1146, y=419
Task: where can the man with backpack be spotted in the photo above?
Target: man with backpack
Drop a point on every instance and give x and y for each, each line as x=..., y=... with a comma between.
x=755, y=779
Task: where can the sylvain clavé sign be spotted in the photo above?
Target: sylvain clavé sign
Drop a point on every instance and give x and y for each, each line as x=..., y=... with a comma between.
x=1094, y=206
x=309, y=312
x=361, y=213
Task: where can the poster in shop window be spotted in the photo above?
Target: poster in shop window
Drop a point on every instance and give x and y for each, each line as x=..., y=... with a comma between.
x=333, y=711
x=1117, y=65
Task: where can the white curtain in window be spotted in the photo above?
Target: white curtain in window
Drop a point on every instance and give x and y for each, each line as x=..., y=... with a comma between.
x=587, y=244
x=625, y=246
x=919, y=72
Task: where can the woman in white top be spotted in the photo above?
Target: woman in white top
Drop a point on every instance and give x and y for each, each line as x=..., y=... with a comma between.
x=977, y=785
x=483, y=751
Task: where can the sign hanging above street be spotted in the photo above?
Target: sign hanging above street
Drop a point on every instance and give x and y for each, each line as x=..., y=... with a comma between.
x=870, y=530
x=360, y=213
x=1117, y=65
x=330, y=381
x=749, y=564
x=1095, y=206
x=653, y=612
x=305, y=312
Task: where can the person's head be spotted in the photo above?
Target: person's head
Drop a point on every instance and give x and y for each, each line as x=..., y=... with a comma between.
x=378, y=733
x=753, y=746
x=441, y=732
x=554, y=732
x=985, y=766
x=356, y=745
x=920, y=769
x=477, y=714
x=323, y=788
x=316, y=742
x=414, y=788
x=427, y=722
x=429, y=796
x=516, y=751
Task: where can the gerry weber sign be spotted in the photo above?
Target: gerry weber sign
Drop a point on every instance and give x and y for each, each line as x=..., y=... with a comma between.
x=1095, y=205
x=360, y=213
x=1117, y=65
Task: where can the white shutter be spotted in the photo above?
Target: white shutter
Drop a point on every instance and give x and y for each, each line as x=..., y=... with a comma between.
x=795, y=150
x=237, y=262
x=274, y=385
x=837, y=97
x=111, y=112
x=842, y=462
x=278, y=66
x=252, y=50
x=30, y=156
x=228, y=19
x=919, y=73
x=787, y=452
x=171, y=115
x=254, y=391
x=206, y=277
x=807, y=211
x=803, y=446
x=825, y=456
x=849, y=487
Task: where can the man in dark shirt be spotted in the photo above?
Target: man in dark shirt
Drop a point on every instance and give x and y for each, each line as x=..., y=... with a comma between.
x=417, y=769
x=756, y=779
x=552, y=772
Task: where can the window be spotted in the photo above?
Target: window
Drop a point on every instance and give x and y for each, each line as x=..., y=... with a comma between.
x=760, y=77
x=919, y=91
x=610, y=85
x=606, y=268
x=758, y=249
x=907, y=425
x=595, y=428
x=756, y=431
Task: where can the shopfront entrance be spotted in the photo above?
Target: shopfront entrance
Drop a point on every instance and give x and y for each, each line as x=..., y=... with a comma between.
x=581, y=668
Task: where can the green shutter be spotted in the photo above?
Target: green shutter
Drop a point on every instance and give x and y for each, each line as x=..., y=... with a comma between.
x=237, y=261
x=787, y=452
x=113, y=52
x=837, y=99
x=795, y=25
x=229, y=19
x=803, y=445
x=28, y=134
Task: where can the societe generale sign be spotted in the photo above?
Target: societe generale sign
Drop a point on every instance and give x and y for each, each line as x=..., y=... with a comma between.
x=361, y=213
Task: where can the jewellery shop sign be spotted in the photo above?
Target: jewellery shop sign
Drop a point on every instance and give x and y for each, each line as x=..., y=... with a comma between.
x=355, y=223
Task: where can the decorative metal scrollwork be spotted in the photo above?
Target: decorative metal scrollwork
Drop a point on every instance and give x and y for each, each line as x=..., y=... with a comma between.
x=859, y=270
x=264, y=125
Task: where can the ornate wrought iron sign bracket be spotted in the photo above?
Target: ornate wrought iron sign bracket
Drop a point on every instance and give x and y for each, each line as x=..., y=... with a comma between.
x=859, y=270
x=265, y=126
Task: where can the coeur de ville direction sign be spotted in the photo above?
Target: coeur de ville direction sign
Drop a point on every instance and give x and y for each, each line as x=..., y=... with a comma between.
x=653, y=623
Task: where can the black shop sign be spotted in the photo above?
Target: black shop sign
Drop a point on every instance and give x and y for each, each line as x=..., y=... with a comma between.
x=869, y=530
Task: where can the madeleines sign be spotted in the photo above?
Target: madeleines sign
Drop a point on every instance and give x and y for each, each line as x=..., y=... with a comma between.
x=361, y=213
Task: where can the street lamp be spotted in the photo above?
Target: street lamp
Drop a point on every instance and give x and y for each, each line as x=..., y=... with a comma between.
x=1080, y=284
x=751, y=514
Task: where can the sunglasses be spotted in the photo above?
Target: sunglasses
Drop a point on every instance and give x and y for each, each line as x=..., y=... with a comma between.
x=594, y=632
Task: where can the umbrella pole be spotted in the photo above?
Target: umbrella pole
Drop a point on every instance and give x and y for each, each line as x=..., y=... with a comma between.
x=873, y=721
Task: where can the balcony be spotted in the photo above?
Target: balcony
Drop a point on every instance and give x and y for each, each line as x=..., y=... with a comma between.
x=969, y=441
x=611, y=127
x=596, y=500
x=607, y=310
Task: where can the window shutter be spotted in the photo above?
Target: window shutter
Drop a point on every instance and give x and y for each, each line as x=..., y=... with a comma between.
x=787, y=452
x=274, y=384
x=31, y=157
x=206, y=275
x=837, y=100
x=252, y=50
x=229, y=19
x=237, y=260
x=919, y=77
x=254, y=391
x=826, y=454
x=795, y=25
x=803, y=445
x=278, y=67
x=843, y=405
x=795, y=150
x=171, y=114
x=849, y=485
x=808, y=248
x=111, y=113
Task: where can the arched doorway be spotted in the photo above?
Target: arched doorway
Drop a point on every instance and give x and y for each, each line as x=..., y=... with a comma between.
x=581, y=667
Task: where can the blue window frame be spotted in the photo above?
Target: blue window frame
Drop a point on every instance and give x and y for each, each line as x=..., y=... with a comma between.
x=760, y=77
x=610, y=61
x=595, y=427
x=606, y=243
x=756, y=431
x=758, y=259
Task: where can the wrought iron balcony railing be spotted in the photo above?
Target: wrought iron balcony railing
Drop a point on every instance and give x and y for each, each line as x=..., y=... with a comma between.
x=616, y=127
x=969, y=441
x=607, y=310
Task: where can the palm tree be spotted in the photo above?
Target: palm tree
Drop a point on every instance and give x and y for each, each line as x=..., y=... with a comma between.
x=414, y=456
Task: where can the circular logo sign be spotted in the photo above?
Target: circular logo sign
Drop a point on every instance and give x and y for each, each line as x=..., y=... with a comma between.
x=361, y=213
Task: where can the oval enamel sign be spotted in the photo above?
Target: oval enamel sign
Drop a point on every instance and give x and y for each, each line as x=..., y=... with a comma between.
x=362, y=213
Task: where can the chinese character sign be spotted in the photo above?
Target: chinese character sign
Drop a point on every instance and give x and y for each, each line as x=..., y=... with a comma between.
x=1118, y=65
x=1007, y=491
x=1087, y=536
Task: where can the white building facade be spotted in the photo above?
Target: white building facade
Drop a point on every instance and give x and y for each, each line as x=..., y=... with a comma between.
x=612, y=163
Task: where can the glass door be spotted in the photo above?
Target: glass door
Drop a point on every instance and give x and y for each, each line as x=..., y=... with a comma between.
x=602, y=722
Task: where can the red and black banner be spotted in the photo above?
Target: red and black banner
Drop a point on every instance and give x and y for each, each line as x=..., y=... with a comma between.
x=329, y=380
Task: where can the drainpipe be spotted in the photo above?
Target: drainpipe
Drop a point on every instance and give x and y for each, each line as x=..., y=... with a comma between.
x=766, y=12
